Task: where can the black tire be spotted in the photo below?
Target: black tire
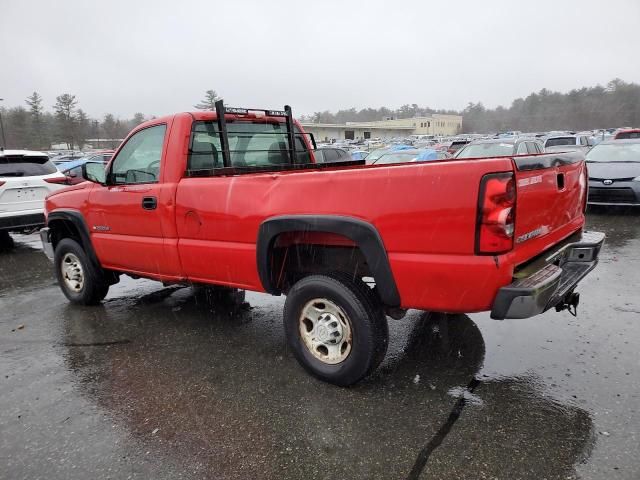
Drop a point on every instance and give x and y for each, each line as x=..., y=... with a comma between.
x=219, y=295
x=94, y=286
x=6, y=242
x=365, y=315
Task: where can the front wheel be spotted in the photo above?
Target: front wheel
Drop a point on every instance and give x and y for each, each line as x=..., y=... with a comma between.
x=80, y=280
x=335, y=327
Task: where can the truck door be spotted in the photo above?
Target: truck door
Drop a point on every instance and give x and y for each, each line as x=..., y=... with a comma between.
x=126, y=216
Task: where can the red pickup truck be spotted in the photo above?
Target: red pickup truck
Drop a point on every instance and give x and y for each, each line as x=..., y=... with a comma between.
x=233, y=200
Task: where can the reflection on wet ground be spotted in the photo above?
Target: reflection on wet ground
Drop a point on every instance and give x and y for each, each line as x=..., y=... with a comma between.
x=157, y=384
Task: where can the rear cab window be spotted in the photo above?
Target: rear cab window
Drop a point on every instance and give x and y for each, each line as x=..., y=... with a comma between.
x=252, y=144
x=26, y=166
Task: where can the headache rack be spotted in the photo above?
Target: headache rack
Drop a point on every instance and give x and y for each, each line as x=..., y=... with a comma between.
x=288, y=155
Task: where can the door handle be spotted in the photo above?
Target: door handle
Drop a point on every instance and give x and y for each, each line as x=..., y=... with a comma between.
x=149, y=203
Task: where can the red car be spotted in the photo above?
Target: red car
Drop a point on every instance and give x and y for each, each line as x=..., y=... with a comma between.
x=233, y=199
x=627, y=134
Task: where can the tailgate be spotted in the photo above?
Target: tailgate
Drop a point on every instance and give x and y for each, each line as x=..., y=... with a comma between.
x=551, y=193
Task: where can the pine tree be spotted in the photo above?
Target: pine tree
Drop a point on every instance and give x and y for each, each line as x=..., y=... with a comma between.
x=38, y=135
x=209, y=101
x=65, y=118
x=81, y=121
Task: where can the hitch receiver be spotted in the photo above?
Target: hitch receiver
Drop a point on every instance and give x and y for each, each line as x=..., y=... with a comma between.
x=569, y=302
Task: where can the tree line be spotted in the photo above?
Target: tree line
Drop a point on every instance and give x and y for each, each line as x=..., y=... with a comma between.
x=614, y=105
x=34, y=127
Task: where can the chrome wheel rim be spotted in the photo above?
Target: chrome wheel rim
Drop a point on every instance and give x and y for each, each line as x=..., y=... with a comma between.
x=325, y=331
x=72, y=272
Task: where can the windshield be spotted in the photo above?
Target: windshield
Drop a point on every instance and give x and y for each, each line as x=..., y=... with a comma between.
x=396, y=157
x=610, y=152
x=486, y=150
x=560, y=141
x=21, y=166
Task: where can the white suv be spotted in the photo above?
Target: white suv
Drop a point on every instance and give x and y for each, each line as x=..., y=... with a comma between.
x=26, y=178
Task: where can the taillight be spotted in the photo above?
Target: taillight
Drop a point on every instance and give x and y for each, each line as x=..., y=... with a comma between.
x=496, y=213
x=2, y=183
x=57, y=180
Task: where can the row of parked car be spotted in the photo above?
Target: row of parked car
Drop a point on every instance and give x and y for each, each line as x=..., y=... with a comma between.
x=71, y=164
x=613, y=157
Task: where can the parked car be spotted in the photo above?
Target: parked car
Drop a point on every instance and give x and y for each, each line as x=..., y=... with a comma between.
x=331, y=155
x=567, y=143
x=456, y=145
x=410, y=155
x=26, y=177
x=397, y=156
x=500, y=147
x=359, y=154
x=102, y=156
x=60, y=159
x=614, y=173
x=375, y=155
x=176, y=205
x=627, y=134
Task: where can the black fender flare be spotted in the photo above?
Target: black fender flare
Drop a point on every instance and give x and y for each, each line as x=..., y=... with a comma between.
x=362, y=233
x=78, y=222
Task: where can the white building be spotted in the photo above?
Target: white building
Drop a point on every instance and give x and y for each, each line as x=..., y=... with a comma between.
x=436, y=124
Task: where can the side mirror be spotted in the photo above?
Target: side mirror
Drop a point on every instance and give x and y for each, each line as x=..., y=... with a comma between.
x=94, y=172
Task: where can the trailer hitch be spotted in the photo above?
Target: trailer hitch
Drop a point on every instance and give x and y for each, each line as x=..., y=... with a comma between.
x=570, y=303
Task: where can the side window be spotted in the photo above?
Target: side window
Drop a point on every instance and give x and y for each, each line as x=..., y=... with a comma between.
x=522, y=149
x=139, y=159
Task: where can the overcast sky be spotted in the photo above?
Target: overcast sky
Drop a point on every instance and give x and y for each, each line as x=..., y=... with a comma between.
x=159, y=57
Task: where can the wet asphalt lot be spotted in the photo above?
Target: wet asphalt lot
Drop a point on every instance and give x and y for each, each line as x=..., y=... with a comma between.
x=156, y=384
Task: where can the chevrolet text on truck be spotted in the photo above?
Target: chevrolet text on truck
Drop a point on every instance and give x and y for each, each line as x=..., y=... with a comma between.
x=233, y=199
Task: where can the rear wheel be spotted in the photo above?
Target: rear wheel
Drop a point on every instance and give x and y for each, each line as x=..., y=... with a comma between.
x=335, y=327
x=80, y=280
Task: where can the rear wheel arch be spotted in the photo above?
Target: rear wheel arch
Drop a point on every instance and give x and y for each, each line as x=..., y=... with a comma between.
x=364, y=235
